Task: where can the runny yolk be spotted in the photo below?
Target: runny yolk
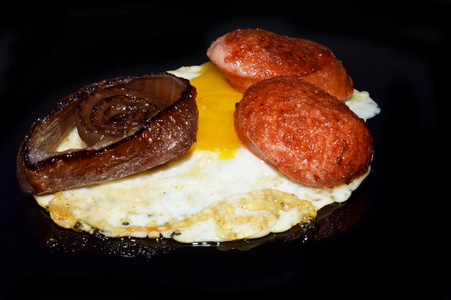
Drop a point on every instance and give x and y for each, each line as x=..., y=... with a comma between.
x=216, y=103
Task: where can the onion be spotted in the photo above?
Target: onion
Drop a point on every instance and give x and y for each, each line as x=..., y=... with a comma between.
x=129, y=124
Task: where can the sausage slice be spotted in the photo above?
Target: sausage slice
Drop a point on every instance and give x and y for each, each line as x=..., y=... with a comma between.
x=246, y=56
x=306, y=133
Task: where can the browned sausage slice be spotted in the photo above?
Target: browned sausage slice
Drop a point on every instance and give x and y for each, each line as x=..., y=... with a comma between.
x=246, y=56
x=303, y=131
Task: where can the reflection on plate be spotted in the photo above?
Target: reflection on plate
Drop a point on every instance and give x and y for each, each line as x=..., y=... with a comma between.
x=332, y=220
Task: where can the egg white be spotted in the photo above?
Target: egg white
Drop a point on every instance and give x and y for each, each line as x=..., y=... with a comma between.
x=198, y=197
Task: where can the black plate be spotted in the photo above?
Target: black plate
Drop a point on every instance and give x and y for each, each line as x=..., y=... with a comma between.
x=394, y=244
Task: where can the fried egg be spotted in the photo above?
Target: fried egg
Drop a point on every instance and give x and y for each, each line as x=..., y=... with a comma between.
x=216, y=192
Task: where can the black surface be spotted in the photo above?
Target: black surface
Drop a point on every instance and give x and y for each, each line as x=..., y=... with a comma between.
x=397, y=53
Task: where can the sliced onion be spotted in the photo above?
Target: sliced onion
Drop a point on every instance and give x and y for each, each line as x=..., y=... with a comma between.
x=129, y=124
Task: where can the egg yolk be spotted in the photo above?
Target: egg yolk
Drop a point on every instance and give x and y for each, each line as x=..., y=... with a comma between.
x=216, y=103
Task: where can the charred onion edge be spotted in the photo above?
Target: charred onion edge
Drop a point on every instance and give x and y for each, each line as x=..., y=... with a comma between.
x=23, y=157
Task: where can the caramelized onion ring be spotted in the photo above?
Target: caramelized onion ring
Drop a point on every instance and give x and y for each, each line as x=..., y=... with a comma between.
x=104, y=120
x=161, y=115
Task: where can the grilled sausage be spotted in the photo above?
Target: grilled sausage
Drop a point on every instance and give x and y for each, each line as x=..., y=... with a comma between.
x=306, y=133
x=250, y=55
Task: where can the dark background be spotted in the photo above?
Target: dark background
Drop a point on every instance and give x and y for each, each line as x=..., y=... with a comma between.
x=395, y=50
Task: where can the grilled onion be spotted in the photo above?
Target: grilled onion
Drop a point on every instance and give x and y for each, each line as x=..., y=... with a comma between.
x=129, y=124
